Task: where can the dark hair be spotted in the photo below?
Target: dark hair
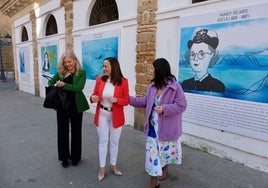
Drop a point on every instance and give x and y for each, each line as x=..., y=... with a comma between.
x=116, y=74
x=207, y=36
x=162, y=72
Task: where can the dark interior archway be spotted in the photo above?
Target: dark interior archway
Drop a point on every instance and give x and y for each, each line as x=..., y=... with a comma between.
x=51, y=27
x=103, y=11
x=24, y=34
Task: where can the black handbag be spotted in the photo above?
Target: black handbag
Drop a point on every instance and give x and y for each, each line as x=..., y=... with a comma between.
x=55, y=98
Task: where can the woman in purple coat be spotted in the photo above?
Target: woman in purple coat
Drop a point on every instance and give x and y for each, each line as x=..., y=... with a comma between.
x=164, y=102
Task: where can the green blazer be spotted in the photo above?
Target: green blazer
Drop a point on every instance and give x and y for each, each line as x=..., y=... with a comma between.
x=77, y=87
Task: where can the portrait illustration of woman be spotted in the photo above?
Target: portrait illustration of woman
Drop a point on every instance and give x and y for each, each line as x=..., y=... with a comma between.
x=46, y=65
x=203, y=55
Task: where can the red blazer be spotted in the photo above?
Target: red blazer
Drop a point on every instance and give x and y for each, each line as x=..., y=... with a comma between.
x=121, y=93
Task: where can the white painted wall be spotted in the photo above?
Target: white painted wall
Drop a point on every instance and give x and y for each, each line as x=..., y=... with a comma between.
x=28, y=84
x=248, y=151
x=245, y=150
x=41, y=13
x=24, y=21
x=82, y=9
x=127, y=52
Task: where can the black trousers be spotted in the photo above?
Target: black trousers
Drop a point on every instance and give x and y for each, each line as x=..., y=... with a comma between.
x=64, y=120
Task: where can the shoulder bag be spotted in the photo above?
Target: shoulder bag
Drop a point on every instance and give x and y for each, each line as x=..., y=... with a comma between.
x=55, y=97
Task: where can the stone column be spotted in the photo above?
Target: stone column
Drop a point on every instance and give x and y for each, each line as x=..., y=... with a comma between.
x=146, y=52
x=7, y=49
x=68, y=6
x=35, y=54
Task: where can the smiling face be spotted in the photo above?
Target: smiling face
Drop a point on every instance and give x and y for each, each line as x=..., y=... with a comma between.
x=200, y=57
x=69, y=64
x=107, y=68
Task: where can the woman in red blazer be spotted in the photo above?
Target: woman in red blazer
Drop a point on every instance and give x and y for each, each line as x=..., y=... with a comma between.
x=111, y=94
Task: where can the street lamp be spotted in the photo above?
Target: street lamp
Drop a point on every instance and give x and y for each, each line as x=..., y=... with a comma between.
x=2, y=44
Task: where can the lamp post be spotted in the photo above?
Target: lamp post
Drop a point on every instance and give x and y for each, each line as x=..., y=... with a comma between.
x=2, y=44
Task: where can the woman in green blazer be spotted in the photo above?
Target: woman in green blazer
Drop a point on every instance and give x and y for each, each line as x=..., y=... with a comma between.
x=71, y=78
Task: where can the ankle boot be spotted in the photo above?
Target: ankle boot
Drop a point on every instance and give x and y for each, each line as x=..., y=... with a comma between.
x=154, y=182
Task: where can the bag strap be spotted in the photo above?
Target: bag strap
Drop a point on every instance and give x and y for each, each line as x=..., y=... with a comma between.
x=46, y=76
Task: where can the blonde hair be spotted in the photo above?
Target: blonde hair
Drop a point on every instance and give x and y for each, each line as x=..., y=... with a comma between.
x=70, y=54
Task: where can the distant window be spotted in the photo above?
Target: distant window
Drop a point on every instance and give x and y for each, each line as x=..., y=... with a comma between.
x=24, y=35
x=103, y=11
x=198, y=1
x=51, y=27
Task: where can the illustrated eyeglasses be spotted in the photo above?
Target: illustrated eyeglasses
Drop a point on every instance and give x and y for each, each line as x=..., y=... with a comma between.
x=200, y=55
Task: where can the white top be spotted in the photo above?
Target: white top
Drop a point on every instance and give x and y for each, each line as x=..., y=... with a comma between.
x=108, y=91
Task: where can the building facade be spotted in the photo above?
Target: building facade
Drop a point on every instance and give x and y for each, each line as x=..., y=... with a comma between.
x=137, y=32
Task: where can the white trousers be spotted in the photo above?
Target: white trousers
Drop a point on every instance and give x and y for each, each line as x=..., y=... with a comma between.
x=105, y=131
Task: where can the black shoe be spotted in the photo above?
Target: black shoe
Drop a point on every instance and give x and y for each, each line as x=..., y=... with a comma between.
x=64, y=164
x=74, y=163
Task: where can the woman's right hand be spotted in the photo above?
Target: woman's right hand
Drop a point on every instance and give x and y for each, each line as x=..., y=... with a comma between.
x=60, y=83
x=95, y=98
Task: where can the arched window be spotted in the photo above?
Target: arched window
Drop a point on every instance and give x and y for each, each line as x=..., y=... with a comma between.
x=24, y=34
x=103, y=11
x=51, y=27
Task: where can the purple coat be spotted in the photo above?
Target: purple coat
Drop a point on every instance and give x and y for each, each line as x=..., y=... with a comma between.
x=174, y=104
